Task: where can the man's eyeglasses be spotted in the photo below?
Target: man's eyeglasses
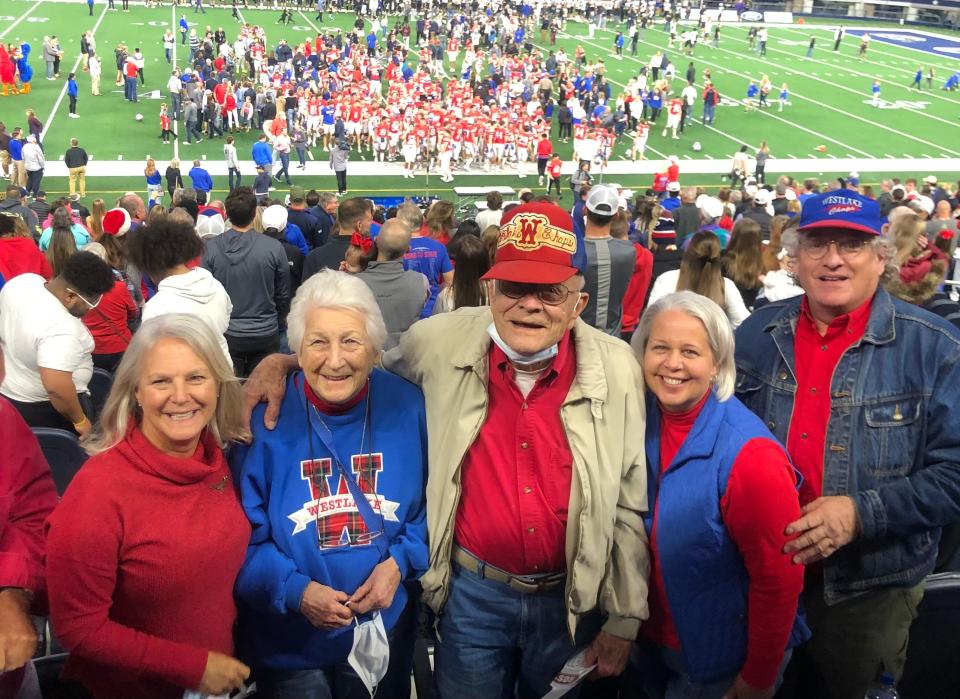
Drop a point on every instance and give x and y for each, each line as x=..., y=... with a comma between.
x=550, y=294
x=90, y=306
x=817, y=246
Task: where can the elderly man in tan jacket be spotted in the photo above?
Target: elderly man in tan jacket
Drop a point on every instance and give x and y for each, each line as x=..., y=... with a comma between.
x=537, y=476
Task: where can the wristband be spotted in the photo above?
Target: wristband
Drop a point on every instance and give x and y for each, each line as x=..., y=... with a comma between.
x=78, y=425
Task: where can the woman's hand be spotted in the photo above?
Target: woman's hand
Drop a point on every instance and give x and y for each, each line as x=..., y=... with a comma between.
x=325, y=607
x=18, y=637
x=222, y=674
x=377, y=590
x=742, y=690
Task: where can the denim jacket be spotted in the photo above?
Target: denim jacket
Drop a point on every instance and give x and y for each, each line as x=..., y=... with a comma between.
x=893, y=441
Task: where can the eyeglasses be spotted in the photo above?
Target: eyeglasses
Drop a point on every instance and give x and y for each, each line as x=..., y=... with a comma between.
x=90, y=306
x=550, y=294
x=816, y=247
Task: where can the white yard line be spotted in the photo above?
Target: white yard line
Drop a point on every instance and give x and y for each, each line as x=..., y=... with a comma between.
x=63, y=91
x=19, y=19
x=772, y=116
x=176, y=124
x=824, y=105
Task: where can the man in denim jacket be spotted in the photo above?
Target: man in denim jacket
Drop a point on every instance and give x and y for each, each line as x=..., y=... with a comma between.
x=861, y=388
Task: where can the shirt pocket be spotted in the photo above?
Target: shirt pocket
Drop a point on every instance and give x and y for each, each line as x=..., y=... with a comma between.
x=893, y=428
x=557, y=481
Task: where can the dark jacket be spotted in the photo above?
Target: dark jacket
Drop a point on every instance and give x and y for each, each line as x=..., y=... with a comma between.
x=400, y=295
x=75, y=157
x=307, y=223
x=254, y=270
x=328, y=256
x=686, y=221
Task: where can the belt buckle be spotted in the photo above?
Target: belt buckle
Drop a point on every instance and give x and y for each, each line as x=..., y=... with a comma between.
x=527, y=587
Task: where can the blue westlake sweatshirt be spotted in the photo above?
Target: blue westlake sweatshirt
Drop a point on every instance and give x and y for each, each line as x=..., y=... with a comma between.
x=305, y=522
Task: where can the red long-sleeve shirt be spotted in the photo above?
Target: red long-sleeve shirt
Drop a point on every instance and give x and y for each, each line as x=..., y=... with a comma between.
x=817, y=357
x=142, y=556
x=516, y=477
x=637, y=288
x=759, y=502
x=107, y=322
x=27, y=497
x=22, y=256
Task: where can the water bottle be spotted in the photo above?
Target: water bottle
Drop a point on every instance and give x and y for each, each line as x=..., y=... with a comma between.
x=885, y=690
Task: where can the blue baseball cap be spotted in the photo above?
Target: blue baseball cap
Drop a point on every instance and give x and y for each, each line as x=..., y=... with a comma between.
x=842, y=209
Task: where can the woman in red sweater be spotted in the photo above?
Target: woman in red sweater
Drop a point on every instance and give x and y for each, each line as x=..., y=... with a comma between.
x=109, y=321
x=144, y=549
x=723, y=595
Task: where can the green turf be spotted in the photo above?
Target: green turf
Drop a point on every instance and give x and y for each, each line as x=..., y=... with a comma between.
x=829, y=97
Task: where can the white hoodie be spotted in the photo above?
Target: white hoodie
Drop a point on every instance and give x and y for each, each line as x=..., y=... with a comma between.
x=195, y=293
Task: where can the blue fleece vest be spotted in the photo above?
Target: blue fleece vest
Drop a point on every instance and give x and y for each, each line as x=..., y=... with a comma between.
x=704, y=575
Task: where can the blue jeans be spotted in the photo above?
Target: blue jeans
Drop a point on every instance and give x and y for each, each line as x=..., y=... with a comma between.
x=497, y=643
x=284, y=167
x=660, y=674
x=340, y=680
x=708, y=110
x=233, y=173
x=130, y=88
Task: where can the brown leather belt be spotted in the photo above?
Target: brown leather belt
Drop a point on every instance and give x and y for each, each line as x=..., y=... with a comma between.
x=526, y=584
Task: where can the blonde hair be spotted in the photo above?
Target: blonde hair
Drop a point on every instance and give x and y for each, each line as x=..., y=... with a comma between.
x=227, y=424
x=151, y=167
x=95, y=220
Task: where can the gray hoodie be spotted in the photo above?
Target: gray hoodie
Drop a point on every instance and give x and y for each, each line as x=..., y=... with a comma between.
x=253, y=269
x=13, y=206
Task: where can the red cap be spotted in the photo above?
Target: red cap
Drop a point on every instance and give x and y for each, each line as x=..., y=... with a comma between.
x=536, y=246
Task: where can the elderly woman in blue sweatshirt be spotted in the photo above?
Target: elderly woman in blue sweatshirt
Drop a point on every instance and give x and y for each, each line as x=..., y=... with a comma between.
x=335, y=494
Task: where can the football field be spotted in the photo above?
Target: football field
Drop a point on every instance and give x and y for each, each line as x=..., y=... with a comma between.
x=829, y=128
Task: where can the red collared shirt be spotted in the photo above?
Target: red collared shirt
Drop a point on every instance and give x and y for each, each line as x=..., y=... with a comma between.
x=817, y=357
x=515, y=482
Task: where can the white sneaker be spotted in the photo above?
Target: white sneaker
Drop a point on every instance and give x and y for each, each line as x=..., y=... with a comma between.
x=74, y=116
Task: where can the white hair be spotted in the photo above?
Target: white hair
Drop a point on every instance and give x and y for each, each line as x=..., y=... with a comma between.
x=715, y=322
x=329, y=289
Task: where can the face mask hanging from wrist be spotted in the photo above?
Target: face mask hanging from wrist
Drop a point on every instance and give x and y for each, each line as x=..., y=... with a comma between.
x=370, y=655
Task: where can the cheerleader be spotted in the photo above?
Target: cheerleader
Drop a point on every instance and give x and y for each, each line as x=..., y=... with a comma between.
x=165, y=133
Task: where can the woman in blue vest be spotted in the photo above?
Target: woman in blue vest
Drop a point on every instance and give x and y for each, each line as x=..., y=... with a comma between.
x=335, y=494
x=723, y=595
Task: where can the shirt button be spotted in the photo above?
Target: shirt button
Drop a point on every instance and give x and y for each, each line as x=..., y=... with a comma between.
x=803, y=435
x=531, y=530
x=771, y=424
x=823, y=348
x=813, y=391
x=528, y=490
x=524, y=445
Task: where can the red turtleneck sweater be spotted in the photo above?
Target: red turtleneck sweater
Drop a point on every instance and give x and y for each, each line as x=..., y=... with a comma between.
x=760, y=500
x=142, y=555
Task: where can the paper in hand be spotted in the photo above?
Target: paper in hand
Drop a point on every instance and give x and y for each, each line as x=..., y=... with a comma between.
x=570, y=675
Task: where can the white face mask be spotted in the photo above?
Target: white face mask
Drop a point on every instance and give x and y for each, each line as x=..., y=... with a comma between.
x=514, y=356
x=370, y=655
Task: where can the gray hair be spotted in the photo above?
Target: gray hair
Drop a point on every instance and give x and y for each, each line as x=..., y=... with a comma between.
x=326, y=198
x=715, y=322
x=410, y=214
x=884, y=245
x=329, y=289
x=227, y=424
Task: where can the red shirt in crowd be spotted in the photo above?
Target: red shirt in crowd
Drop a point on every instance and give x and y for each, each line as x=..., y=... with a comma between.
x=637, y=289
x=27, y=497
x=816, y=359
x=142, y=555
x=515, y=482
x=759, y=501
x=22, y=256
x=107, y=322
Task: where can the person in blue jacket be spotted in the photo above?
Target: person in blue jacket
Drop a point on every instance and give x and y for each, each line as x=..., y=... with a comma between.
x=202, y=182
x=335, y=495
x=261, y=153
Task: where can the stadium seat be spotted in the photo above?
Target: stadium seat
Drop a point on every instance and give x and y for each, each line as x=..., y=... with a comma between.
x=932, y=669
x=63, y=452
x=423, y=669
x=99, y=388
x=48, y=670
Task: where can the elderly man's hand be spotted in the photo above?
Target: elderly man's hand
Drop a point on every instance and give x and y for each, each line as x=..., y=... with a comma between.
x=828, y=523
x=610, y=653
x=268, y=383
x=325, y=607
x=18, y=637
x=377, y=591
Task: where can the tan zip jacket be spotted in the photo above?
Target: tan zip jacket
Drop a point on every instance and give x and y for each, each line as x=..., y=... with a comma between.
x=606, y=547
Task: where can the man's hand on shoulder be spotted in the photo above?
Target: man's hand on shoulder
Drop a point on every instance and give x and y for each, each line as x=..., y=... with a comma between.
x=268, y=384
